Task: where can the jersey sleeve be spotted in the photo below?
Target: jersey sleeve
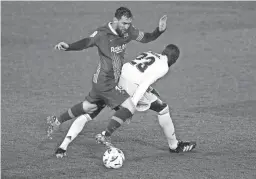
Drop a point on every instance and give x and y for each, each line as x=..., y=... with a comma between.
x=145, y=37
x=142, y=88
x=136, y=33
x=92, y=40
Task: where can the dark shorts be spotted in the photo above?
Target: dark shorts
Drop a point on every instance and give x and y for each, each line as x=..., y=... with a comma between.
x=112, y=98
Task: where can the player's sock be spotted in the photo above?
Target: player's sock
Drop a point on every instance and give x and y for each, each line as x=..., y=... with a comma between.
x=71, y=113
x=117, y=120
x=74, y=130
x=166, y=123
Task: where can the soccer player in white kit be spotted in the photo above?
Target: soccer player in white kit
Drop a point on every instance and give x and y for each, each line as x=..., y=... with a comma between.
x=136, y=79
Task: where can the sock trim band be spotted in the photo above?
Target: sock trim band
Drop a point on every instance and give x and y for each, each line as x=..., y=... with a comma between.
x=70, y=113
x=120, y=121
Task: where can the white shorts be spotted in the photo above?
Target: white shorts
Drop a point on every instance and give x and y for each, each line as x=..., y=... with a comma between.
x=130, y=87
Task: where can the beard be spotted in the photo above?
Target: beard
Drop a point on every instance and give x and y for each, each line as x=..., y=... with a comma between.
x=120, y=32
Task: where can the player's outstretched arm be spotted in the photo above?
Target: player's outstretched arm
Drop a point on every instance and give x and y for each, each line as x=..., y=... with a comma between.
x=148, y=37
x=76, y=46
x=80, y=44
x=61, y=46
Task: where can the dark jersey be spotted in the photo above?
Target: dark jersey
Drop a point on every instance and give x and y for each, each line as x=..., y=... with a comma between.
x=111, y=49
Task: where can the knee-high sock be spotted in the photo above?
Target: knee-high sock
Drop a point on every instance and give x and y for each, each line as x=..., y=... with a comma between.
x=76, y=127
x=166, y=123
x=72, y=112
x=117, y=120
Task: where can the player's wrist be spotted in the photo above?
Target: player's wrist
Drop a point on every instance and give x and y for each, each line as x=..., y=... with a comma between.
x=160, y=31
x=69, y=47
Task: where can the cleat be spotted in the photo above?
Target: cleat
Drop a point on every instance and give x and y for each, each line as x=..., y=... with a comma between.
x=102, y=139
x=53, y=125
x=60, y=153
x=184, y=147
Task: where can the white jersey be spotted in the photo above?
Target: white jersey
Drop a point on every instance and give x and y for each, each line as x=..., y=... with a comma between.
x=139, y=74
x=145, y=65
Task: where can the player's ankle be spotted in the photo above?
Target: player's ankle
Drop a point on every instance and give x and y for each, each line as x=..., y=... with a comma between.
x=57, y=122
x=106, y=133
x=173, y=144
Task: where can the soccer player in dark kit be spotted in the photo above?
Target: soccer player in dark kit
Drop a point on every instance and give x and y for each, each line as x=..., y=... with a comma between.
x=111, y=40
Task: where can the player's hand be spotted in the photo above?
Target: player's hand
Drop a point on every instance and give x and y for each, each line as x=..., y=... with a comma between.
x=61, y=46
x=162, y=23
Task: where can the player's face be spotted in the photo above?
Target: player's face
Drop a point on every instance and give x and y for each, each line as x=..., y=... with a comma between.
x=123, y=24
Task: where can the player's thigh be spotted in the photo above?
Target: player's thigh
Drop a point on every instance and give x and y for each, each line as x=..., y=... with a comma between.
x=93, y=101
x=114, y=97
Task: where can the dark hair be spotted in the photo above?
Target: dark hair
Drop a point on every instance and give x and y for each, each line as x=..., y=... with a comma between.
x=123, y=11
x=172, y=52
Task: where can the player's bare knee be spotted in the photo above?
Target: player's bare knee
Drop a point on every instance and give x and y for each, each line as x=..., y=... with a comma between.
x=89, y=107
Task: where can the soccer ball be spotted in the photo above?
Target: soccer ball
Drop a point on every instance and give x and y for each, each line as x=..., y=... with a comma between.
x=113, y=158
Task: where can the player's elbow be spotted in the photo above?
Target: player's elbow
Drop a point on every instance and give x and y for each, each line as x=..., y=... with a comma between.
x=148, y=37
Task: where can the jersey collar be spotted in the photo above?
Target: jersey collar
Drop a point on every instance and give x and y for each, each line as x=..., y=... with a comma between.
x=111, y=28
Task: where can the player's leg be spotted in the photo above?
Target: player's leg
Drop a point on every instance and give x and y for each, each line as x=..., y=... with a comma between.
x=76, y=127
x=73, y=131
x=120, y=103
x=77, y=110
x=165, y=121
x=88, y=106
x=123, y=112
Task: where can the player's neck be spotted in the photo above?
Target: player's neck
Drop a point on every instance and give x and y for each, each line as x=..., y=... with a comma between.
x=113, y=25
